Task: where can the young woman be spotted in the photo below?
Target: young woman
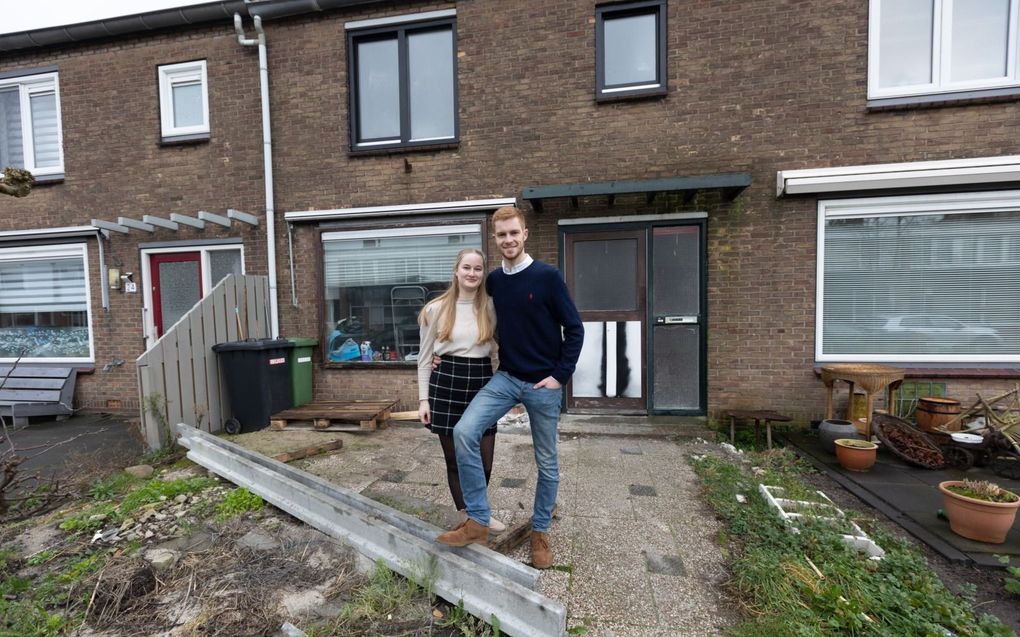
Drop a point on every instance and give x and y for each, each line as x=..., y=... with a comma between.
x=458, y=326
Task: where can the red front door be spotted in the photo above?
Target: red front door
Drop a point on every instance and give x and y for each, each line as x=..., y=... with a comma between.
x=176, y=286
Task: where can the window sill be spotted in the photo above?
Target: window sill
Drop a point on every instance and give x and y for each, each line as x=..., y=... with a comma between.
x=936, y=100
x=46, y=180
x=401, y=365
x=626, y=96
x=397, y=150
x=949, y=372
x=184, y=140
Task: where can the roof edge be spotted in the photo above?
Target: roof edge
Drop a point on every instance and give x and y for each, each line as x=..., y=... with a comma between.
x=122, y=25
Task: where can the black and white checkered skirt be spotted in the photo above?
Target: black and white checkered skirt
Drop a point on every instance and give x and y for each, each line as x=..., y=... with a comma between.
x=452, y=386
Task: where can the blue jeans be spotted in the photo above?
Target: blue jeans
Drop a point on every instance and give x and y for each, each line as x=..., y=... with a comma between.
x=489, y=405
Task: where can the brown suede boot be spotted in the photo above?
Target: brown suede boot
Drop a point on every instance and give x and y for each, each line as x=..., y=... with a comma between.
x=469, y=532
x=541, y=554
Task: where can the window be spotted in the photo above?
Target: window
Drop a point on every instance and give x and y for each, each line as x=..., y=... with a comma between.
x=919, y=47
x=403, y=82
x=630, y=49
x=30, y=136
x=919, y=279
x=184, y=100
x=378, y=280
x=44, y=304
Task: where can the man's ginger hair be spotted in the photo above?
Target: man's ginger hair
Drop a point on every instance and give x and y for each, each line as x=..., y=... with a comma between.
x=509, y=212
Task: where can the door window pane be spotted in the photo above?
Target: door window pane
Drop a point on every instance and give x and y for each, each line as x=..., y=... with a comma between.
x=631, y=51
x=179, y=289
x=43, y=308
x=922, y=285
x=222, y=263
x=676, y=271
x=980, y=31
x=11, y=143
x=605, y=275
x=906, y=42
x=430, y=66
x=676, y=365
x=377, y=282
x=188, y=109
x=378, y=89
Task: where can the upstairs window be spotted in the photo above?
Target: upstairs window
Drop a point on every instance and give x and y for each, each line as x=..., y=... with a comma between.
x=630, y=49
x=403, y=81
x=920, y=47
x=184, y=100
x=30, y=136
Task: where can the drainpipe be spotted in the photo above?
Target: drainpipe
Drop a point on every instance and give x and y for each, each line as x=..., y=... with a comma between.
x=267, y=156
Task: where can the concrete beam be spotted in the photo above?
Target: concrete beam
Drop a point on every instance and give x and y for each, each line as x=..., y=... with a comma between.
x=159, y=222
x=137, y=225
x=455, y=574
x=213, y=218
x=186, y=220
x=109, y=225
x=243, y=216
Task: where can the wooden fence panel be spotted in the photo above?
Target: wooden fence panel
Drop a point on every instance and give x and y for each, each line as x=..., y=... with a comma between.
x=181, y=375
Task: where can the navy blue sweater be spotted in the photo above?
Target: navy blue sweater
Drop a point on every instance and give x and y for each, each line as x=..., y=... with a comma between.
x=531, y=308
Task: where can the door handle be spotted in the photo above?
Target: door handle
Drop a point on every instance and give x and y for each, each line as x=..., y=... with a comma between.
x=675, y=320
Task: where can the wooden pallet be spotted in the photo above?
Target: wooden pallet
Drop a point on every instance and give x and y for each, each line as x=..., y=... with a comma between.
x=333, y=415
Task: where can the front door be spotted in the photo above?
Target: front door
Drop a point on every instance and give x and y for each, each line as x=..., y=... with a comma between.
x=605, y=272
x=176, y=286
x=639, y=292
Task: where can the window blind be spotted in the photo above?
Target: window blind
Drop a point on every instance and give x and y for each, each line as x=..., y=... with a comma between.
x=926, y=285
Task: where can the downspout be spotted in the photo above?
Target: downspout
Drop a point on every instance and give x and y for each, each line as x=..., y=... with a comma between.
x=267, y=157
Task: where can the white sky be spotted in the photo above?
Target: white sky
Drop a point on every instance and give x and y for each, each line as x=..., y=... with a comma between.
x=25, y=15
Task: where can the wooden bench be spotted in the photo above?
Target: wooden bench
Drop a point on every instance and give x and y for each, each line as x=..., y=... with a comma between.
x=36, y=390
x=757, y=415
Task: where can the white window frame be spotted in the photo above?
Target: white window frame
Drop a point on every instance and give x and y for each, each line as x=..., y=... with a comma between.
x=942, y=49
x=912, y=205
x=207, y=282
x=171, y=75
x=57, y=251
x=29, y=85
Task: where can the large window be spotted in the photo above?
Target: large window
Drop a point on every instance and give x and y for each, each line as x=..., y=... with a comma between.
x=30, y=124
x=184, y=100
x=630, y=49
x=403, y=82
x=44, y=304
x=924, y=279
x=919, y=47
x=378, y=280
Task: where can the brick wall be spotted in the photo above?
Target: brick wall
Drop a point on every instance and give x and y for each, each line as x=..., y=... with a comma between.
x=754, y=86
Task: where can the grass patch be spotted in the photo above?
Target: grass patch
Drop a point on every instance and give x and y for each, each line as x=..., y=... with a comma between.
x=49, y=606
x=780, y=592
x=155, y=490
x=112, y=486
x=238, y=501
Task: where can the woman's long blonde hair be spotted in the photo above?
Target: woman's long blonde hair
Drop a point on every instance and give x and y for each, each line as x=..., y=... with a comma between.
x=447, y=305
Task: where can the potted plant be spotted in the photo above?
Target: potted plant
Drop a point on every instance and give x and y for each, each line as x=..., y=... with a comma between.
x=979, y=510
x=855, y=455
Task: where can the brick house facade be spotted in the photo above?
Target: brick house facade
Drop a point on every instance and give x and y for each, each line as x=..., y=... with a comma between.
x=749, y=88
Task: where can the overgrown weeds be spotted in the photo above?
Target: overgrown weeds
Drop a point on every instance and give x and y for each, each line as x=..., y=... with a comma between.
x=811, y=584
x=238, y=501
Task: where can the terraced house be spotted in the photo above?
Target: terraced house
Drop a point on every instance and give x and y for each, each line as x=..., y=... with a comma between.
x=736, y=192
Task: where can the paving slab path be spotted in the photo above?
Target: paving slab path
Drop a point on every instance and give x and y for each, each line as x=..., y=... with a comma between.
x=635, y=550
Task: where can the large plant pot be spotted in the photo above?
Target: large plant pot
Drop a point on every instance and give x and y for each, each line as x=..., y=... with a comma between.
x=978, y=519
x=855, y=455
x=831, y=429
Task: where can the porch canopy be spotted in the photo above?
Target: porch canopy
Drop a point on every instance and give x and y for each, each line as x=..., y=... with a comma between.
x=729, y=185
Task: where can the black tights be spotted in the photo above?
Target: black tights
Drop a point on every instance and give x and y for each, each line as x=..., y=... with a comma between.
x=453, y=476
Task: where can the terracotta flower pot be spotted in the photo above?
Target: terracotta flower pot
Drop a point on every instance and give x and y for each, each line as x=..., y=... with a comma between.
x=855, y=455
x=975, y=519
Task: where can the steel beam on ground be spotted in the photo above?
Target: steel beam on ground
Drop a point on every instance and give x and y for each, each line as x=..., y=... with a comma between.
x=455, y=574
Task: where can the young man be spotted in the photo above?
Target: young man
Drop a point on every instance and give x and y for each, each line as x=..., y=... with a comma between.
x=540, y=336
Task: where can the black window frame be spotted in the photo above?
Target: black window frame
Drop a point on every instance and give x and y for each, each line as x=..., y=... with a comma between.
x=401, y=31
x=626, y=9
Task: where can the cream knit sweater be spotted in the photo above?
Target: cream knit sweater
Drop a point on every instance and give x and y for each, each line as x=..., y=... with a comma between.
x=463, y=341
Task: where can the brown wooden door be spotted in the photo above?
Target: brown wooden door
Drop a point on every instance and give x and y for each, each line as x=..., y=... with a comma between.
x=605, y=272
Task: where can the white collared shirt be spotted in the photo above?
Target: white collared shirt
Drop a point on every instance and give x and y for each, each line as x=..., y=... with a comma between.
x=525, y=262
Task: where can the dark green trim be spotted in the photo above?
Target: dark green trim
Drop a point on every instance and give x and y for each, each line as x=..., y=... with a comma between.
x=730, y=184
